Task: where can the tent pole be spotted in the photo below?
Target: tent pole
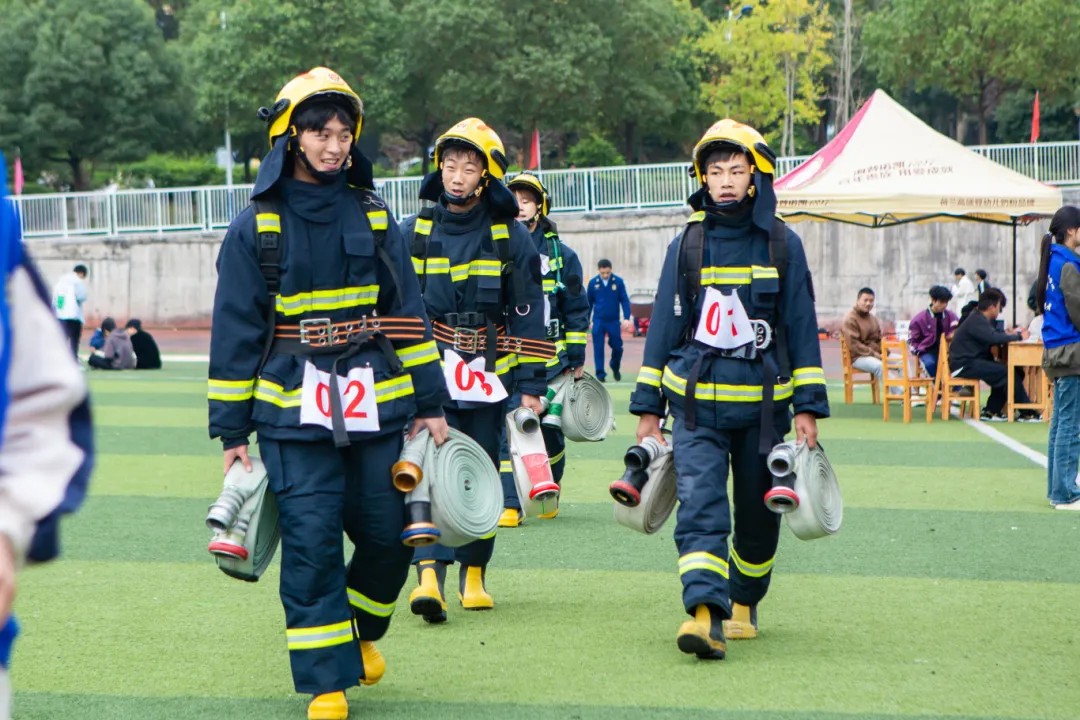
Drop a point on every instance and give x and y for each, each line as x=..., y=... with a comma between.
x=1014, y=295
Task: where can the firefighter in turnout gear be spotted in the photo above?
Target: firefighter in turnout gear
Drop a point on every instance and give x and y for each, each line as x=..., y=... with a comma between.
x=480, y=276
x=566, y=315
x=732, y=352
x=321, y=346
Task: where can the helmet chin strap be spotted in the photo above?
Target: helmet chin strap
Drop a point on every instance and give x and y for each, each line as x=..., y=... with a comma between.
x=455, y=200
x=731, y=207
x=321, y=176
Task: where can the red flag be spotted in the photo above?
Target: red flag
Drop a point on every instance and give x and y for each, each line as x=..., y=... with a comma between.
x=18, y=179
x=534, y=151
x=1035, y=119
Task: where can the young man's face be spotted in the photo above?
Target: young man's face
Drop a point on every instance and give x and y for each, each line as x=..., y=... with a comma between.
x=605, y=272
x=992, y=312
x=527, y=207
x=729, y=180
x=327, y=149
x=937, y=306
x=865, y=302
x=461, y=172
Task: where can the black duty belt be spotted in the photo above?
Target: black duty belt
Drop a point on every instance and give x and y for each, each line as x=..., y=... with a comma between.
x=475, y=341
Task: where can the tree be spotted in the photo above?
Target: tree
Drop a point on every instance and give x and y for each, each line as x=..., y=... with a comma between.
x=767, y=68
x=85, y=82
x=976, y=50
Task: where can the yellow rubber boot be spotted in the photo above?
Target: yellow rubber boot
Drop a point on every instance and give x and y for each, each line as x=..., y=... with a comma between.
x=471, y=589
x=427, y=599
x=374, y=663
x=510, y=518
x=704, y=635
x=329, y=706
x=743, y=622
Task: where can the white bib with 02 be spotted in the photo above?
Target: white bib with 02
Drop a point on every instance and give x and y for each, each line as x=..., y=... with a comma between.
x=357, y=392
x=723, y=323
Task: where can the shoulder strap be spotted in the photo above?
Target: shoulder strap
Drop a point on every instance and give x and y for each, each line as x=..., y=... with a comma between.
x=555, y=255
x=516, y=294
x=378, y=218
x=778, y=258
x=269, y=241
x=421, y=240
x=691, y=258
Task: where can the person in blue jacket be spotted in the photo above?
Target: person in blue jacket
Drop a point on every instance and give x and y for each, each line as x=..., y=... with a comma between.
x=732, y=350
x=607, y=295
x=480, y=277
x=1057, y=294
x=566, y=311
x=296, y=357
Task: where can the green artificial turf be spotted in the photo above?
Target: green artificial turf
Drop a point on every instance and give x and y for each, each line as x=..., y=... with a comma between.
x=946, y=593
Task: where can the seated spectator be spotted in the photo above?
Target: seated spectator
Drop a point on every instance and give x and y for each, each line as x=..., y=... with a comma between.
x=970, y=356
x=147, y=355
x=117, y=353
x=926, y=328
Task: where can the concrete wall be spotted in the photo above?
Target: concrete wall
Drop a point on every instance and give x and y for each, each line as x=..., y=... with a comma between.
x=169, y=280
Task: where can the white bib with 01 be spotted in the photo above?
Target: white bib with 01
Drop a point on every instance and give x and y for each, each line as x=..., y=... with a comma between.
x=470, y=381
x=357, y=393
x=723, y=322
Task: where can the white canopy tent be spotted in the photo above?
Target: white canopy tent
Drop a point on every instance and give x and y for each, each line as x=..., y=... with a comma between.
x=887, y=167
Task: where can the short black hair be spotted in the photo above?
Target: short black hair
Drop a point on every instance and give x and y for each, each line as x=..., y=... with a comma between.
x=959, y=271
x=723, y=153
x=80, y=268
x=990, y=298
x=108, y=324
x=313, y=114
x=134, y=323
x=604, y=263
x=940, y=293
x=865, y=291
x=981, y=274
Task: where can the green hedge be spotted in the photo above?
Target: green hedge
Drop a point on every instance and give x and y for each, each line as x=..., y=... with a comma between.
x=166, y=170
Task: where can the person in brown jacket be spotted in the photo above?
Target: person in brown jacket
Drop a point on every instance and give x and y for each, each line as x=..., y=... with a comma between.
x=863, y=334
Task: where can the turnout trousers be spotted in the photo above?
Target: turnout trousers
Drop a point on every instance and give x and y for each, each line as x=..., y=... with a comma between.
x=323, y=491
x=485, y=425
x=709, y=573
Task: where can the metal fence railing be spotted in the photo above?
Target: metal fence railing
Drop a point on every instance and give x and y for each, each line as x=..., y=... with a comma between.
x=168, y=210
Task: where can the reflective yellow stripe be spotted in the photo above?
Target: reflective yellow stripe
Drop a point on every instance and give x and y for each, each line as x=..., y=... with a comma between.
x=435, y=265
x=506, y=363
x=719, y=392
x=557, y=457
x=268, y=222
x=320, y=636
x=229, y=390
x=414, y=355
x=750, y=569
x=725, y=276
x=393, y=388
x=808, y=376
x=505, y=466
x=321, y=300
x=648, y=376
x=703, y=561
x=500, y=232
x=556, y=264
x=476, y=268
x=362, y=602
x=423, y=226
x=697, y=217
x=271, y=392
x=378, y=219
x=560, y=347
x=549, y=285
x=576, y=338
x=759, y=271
x=523, y=359
x=490, y=534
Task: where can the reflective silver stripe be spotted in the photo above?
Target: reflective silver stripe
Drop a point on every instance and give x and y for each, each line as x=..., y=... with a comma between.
x=229, y=390
x=414, y=355
x=362, y=602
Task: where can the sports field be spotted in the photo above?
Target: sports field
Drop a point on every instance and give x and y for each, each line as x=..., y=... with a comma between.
x=951, y=591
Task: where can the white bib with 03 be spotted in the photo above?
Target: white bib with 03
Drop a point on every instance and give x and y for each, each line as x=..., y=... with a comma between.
x=470, y=381
x=357, y=392
x=723, y=323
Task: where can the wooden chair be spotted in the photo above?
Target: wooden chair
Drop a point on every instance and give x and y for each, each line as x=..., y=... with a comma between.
x=850, y=381
x=946, y=386
x=897, y=373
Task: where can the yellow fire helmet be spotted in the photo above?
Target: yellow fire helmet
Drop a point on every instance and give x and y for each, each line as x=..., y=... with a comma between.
x=315, y=82
x=744, y=137
x=478, y=135
x=530, y=181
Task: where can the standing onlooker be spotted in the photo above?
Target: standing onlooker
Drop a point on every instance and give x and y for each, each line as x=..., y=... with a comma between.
x=1058, y=295
x=983, y=283
x=147, y=355
x=926, y=329
x=963, y=291
x=69, y=294
x=607, y=293
x=117, y=353
x=863, y=333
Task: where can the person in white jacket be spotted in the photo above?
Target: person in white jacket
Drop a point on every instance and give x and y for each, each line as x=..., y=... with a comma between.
x=963, y=291
x=69, y=294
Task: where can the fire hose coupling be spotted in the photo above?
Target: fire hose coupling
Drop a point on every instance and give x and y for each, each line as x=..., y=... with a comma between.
x=244, y=519
x=627, y=489
x=781, y=497
x=528, y=456
x=805, y=490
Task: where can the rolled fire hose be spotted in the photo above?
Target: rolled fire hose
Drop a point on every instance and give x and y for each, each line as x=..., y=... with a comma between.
x=536, y=486
x=244, y=519
x=462, y=485
x=657, y=495
x=581, y=408
x=805, y=490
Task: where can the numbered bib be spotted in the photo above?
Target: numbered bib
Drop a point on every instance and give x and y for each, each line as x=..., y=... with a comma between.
x=357, y=391
x=470, y=381
x=723, y=322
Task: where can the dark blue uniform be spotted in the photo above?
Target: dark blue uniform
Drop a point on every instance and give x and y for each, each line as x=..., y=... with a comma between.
x=728, y=403
x=567, y=327
x=606, y=300
x=461, y=274
x=330, y=268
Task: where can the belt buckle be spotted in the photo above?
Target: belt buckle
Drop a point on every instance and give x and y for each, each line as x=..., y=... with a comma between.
x=315, y=332
x=763, y=334
x=467, y=340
